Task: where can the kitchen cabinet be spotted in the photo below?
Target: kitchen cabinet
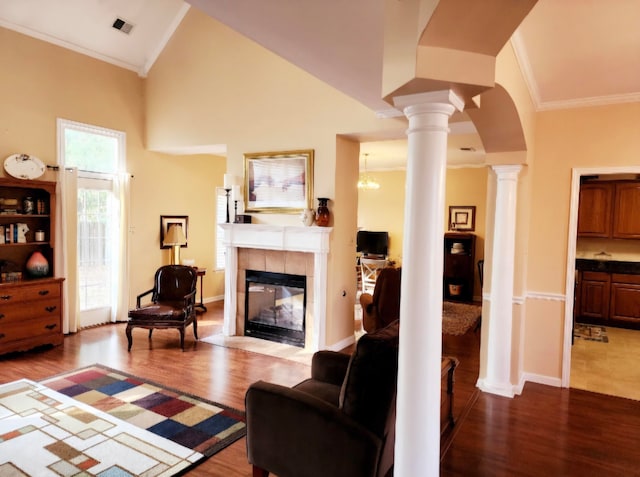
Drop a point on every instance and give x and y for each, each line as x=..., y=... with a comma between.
x=625, y=298
x=608, y=209
x=626, y=219
x=459, y=256
x=595, y=293
x=594, y=210
x=608, y=297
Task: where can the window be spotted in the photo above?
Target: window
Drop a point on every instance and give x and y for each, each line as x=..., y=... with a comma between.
x=98, y=154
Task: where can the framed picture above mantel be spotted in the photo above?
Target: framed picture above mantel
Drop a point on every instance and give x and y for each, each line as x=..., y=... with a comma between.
x=278, y=182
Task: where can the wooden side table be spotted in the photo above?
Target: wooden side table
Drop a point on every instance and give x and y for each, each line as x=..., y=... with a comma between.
x=201, y=272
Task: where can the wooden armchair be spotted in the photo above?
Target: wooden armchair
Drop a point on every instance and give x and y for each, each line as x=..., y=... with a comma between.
x=172, y=303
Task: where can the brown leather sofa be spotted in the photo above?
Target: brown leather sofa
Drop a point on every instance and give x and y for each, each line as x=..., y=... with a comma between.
x=338, y=423
x=383, y=307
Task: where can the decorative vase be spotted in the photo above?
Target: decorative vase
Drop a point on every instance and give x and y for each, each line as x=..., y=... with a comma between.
x=323, y=214
x=37, y=266
x=307, y=217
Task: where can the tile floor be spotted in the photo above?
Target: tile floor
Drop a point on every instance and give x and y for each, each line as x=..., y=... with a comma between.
x=608, y=368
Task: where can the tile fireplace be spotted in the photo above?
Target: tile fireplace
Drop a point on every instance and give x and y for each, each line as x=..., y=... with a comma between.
x=301, y=251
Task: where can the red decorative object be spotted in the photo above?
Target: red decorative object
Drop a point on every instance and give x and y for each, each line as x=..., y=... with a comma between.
x=37, y=265
x=323, y=215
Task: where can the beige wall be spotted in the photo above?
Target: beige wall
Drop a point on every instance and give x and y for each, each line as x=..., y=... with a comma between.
x=383, y=209
x=605, y=136
x=42, y=82
x=214, y=86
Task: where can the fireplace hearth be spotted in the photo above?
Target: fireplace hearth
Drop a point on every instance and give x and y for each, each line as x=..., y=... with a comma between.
x=275, y=306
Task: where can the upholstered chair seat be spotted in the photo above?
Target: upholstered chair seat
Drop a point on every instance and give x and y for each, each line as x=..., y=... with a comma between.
x=340, y=422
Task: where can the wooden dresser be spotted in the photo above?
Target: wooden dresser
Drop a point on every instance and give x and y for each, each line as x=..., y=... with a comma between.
x=30, y=314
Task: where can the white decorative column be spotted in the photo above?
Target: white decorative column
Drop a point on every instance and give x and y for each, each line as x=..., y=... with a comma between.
x=417, y=448
x=497, y=378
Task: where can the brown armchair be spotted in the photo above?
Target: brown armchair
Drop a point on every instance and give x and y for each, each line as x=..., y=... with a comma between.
x=383, y=307
x=340, y=422
x=172, y=303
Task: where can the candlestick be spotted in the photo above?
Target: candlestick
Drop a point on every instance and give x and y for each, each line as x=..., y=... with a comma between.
x=227, y=192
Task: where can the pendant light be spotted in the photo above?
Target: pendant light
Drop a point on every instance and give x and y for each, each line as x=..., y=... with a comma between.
x=365, y=181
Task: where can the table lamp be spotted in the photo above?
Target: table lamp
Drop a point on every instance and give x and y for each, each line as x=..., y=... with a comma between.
x=175, y=237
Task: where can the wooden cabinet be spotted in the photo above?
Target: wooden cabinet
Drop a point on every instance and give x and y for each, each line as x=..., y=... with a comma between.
x=594, y=210
x=459, y=263
x=30, y=314
x=30, y=308
x=625, y=298
x=594, y=295
x=608, y=209
x=608, y=298
x=626, y=208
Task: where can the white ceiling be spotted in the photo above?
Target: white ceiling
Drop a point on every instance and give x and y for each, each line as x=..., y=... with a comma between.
x=572, y=53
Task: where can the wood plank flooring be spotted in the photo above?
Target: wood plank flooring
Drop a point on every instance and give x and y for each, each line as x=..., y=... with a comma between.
x=546, y=431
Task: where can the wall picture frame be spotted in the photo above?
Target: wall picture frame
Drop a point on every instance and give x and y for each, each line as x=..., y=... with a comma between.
x=166, y=220
x=462, y=218
x=278, y=182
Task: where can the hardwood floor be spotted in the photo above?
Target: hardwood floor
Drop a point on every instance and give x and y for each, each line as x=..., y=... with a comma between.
x=545, y=431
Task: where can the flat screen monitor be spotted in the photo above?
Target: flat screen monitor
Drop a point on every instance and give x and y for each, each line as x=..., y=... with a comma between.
x=372, y=243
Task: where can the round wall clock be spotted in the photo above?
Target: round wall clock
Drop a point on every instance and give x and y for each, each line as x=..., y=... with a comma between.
x=24, y=166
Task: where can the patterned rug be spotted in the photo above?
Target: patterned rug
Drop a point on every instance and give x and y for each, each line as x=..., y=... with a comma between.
x=458, y=318
x=202, y=426
x=44, y=433
x=590, y=332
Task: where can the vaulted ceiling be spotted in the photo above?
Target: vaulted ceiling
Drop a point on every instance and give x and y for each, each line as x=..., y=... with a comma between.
x=571, y=53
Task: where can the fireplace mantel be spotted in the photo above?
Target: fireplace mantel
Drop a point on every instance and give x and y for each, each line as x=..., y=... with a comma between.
x=315, y=240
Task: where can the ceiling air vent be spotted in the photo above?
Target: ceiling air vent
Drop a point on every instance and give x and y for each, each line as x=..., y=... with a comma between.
x=122, y=25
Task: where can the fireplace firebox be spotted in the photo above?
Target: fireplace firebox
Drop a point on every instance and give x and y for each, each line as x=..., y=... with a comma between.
x=275, y=307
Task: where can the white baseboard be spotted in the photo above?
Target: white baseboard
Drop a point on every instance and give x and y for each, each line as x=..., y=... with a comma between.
x=340, y=345
x=541, y=379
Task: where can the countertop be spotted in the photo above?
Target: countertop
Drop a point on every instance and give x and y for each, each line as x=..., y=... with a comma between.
x=610, y=266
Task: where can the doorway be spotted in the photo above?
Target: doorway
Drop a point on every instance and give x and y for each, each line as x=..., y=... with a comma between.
x=97, y=154
x=596, y=363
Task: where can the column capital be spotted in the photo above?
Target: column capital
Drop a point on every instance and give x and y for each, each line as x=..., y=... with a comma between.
x=507, y=170
x=433, y=97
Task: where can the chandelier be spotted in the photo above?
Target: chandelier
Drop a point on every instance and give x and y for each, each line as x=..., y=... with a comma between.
x=365, y=181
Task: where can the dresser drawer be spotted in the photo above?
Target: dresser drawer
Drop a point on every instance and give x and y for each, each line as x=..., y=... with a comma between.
x=28, y=292
x=29, y=328
x=19, y=312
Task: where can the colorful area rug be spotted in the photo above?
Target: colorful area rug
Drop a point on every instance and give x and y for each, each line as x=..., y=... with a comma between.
x=99, y=421
x=45, y=433
x=590, y=332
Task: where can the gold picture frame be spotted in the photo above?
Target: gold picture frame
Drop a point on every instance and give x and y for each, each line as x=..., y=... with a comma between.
x=278, y=182
x=462, y=218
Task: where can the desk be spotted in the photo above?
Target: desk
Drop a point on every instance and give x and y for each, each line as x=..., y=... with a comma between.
x=201, y=272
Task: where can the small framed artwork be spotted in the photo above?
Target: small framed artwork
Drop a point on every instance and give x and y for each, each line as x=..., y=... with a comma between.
x=462, y=218
x=278, y=182
x=166, y=221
